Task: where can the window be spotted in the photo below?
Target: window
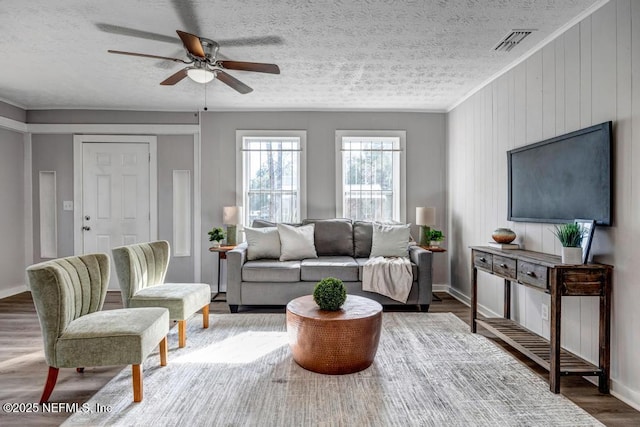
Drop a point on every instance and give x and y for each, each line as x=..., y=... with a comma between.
x=272, y=169
x=370, y=168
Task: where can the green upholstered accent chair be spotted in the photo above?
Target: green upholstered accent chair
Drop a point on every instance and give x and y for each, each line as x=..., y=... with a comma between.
x=69, y=294
x=141, y=270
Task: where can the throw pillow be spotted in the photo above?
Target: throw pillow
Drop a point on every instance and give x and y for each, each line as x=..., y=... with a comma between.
x=296, y=242
x=390, y=240
x=262, y=243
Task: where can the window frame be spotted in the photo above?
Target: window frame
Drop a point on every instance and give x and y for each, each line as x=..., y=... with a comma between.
x=242, y=187
x=402, y=172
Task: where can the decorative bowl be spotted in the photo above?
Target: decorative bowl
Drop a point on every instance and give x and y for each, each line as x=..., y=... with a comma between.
x=503, y=235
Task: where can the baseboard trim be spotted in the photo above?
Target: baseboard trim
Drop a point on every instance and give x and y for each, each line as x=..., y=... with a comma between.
x=14, y=290
x=485, y=311
x=440, y=287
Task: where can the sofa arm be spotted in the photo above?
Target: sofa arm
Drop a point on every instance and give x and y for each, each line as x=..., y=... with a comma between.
x=423, y=258
x=235, y=260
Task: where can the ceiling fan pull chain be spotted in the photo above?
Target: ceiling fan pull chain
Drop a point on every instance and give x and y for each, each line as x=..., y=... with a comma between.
x=205, y=96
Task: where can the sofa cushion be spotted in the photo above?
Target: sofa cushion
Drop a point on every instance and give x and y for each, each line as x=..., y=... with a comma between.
x=296, y=242
x=262, y=242
x=344, y=268
x=332, y=236
x=362, y=236
x=390, y=240
x=362, y=261
x=271, y=271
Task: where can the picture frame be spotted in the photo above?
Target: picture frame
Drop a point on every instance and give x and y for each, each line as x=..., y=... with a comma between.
x=589, y=225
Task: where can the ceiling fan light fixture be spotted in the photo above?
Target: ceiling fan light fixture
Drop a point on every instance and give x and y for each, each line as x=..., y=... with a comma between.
x=200, y=75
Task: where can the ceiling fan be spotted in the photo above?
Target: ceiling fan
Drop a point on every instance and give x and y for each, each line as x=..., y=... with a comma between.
x=204, y=65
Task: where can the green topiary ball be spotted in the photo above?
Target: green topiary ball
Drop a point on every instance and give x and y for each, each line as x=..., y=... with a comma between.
x=330, y=293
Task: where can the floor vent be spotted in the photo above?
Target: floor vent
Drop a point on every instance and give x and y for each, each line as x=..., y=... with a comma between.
x=511, y=40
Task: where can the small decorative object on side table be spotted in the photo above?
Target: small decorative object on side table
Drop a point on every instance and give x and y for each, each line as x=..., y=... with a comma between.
x=570, y=236
x=503, y=235
x=222, y=254
x=216, y=235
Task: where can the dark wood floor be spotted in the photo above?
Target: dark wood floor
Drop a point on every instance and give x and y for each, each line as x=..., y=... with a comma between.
x=23, y=369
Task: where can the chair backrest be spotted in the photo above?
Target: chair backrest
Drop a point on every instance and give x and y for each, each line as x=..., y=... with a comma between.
x=65, y=289
x=139, y=266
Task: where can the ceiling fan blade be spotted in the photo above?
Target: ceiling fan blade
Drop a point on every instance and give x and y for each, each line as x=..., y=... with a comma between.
x=187, y=13
x=192, y=43
x=132, y=32
x=145, y=55
x=250, y=66
x=232, y=82
x=251, y=41
x=175, y=78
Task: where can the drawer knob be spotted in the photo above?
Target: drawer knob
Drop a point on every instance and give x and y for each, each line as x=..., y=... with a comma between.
x=531, y=274
x=483, y=259
x=503, y=265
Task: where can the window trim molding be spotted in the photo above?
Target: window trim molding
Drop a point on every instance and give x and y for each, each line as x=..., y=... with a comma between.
x=402, y=135
x=240, y=134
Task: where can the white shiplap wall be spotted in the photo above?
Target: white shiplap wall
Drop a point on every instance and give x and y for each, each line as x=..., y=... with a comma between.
x=588, y=75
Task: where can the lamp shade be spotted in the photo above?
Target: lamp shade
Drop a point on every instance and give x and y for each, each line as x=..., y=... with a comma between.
x=231, y=215
x=425, y=216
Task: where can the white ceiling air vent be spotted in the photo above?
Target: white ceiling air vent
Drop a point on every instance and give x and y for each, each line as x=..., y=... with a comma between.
x=511, y=40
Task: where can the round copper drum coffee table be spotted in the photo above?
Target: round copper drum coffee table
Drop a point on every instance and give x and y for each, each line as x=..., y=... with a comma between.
x=334, y=342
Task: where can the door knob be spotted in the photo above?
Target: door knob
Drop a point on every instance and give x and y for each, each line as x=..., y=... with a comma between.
x=85, y=228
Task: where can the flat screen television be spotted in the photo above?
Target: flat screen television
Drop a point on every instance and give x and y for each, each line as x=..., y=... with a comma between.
x=563, y=178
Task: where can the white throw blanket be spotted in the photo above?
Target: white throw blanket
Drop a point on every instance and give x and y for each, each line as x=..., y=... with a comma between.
x=391, y=277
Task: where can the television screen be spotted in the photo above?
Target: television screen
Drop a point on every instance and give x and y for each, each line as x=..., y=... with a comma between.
x=562, y=178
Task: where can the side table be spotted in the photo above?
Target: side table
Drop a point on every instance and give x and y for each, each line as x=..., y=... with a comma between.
x=222, y=254
x=434, y=249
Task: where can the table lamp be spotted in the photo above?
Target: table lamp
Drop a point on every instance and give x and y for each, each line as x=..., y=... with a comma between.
x=425, y=218
x=231, y=216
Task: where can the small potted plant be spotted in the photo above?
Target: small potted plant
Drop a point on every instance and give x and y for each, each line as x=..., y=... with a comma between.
x=216, y=235
x=570, y=236
x=330, y=293
x=435, y=237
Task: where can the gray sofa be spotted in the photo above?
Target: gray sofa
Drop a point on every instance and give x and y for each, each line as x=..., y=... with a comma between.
x=343, y=247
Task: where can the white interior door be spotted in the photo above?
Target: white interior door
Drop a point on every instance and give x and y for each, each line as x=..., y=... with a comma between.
x=116, y=207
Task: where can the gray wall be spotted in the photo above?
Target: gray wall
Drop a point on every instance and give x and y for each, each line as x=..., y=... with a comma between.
x=12, y=226
x=53, y=153
x=426, y=172
x=588, y=75
x=175, y=152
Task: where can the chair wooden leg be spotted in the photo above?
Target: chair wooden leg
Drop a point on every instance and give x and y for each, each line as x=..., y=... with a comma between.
x=182, y=333
x=52, y=377
x=163, y=352
x=137, y=383
x=205, y=316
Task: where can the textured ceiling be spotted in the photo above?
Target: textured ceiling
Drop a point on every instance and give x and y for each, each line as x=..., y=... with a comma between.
x=371, y=54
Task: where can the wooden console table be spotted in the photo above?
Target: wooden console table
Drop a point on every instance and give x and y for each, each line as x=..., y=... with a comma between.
x=546, y=273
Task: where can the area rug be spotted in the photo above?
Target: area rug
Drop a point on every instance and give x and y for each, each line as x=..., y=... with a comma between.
x=429, y=371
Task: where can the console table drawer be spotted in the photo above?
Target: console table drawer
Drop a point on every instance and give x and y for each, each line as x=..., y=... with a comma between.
x=532, y=274
x=504, y=267
x=483, y=260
